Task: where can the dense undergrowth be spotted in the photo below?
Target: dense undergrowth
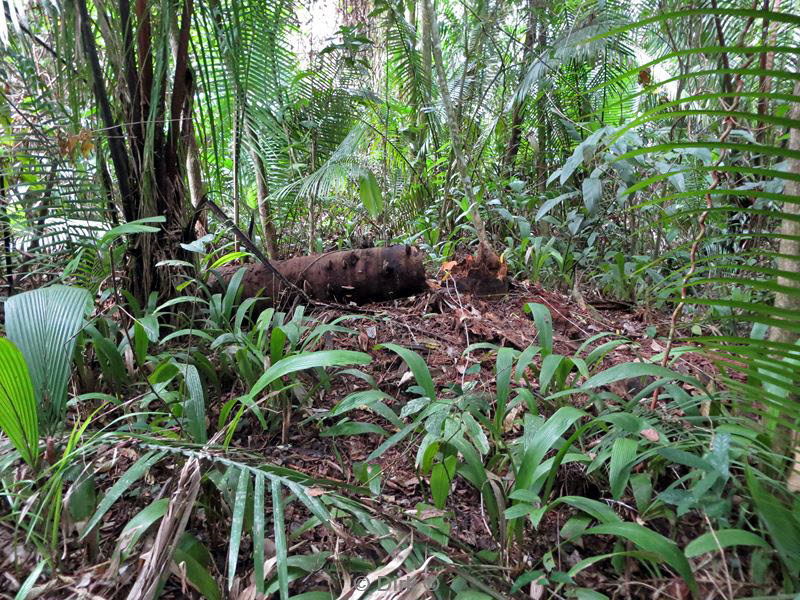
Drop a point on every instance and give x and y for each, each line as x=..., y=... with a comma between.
x=578, y=486
x=622, y=424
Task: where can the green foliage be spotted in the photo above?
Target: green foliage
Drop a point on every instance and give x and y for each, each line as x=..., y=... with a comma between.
x=640, y=151
x=18, y=413
x=44, y=324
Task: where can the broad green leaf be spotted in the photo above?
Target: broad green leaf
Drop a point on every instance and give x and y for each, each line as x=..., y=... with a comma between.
x=542, y=442
x=592, y=193
x=623, y=452
x=524, y=361
x=258, y=532
x=631, y=370
x=724, y=538
x=441, y=480
x=18, y=414
x=505, y=362
x=353, y=428
x=111, y=361
x=366, y=399
x=140, y=343
x=544, y=325
x=307, y=360
x=44, y=324
x=227, y=258
x=599, y=510
x=418, y=367
x=196, y=572
x=370, y=193
x=550, y=365
x=194, y=406
x=237, y=524
x=131, y=228
x=281, y=550
x=550, y=204
x=232, y=291
x=652, y=542
x=781, y=522
x=139, y=524
x=30, y=581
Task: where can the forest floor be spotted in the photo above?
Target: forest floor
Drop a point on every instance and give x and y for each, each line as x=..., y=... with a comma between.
x=439, y=325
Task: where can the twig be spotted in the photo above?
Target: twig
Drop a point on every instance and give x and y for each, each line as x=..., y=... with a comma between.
x=251, y=247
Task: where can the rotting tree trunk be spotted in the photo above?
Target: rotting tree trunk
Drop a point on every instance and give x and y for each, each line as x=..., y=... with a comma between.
x=368, y=275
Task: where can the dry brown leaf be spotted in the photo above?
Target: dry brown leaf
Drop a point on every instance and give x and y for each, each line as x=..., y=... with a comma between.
x=649, y=434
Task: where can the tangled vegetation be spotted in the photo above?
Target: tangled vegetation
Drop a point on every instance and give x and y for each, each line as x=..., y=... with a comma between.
x=622, y=421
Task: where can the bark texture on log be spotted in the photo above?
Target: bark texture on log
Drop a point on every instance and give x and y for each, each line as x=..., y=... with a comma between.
x=367, y=275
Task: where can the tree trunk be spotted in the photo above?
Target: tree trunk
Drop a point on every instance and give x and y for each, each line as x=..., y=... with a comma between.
x=789, y=263
x=542, y=137
x=517, y=111
x=789, y=249
x=368, y=275
x=455, y=130
x=264, y=210
x=427, y=79
x=5, y=229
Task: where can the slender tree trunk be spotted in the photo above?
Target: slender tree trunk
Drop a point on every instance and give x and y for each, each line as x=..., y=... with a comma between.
x=517, y=111
x=264, y=210
x=789, y=263
x=766, y=62
x=236, y=143
x=427, y=79
x=115, y=134
x=455, y=130
x=789, y=248
x=542, y=133
x=5, y=226
x=194, y=171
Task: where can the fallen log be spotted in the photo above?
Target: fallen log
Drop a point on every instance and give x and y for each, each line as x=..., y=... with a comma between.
x=367, y=275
